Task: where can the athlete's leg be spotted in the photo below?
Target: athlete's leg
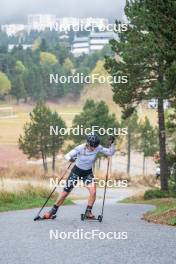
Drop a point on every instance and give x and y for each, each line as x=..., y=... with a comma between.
x=61, y=198
x=70, y=183
x=92, y=193
x=92, y=197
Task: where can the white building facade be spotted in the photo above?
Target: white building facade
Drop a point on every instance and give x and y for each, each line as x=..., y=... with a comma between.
x=13, y=29
x=98, y=40
x=80, y=46
x=95, y=42
x=40, y=22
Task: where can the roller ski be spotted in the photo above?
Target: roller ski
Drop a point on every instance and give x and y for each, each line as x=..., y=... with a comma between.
x=50, y=215
x=84, y=217
x=89, y=216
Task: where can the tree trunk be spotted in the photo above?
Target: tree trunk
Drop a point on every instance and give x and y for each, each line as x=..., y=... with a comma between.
x=143, y=165
x=99, y=163
x=162, y=143
x=45, y=167
x=43, y=159
x=53, y=161
x=129, y=152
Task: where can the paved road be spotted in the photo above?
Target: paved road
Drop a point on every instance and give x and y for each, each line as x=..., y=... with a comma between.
x=23, y=241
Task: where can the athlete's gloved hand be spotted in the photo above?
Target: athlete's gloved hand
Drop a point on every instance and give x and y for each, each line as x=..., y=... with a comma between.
x=111, y=140
x=73, y=159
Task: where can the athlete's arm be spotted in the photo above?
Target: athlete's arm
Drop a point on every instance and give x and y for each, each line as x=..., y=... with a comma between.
x=107, y=151
x=72, y=155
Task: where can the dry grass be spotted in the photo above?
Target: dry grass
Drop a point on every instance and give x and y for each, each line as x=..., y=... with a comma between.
x=147, y=181
x=163, y=213
x=28, y=191
x=29, y=171
x=28, y=196
x=99, y=92
x=23, y=172
x=36, y=173
x=134, y=181
x=11, y=128
x=113, y=176
x=104, y=92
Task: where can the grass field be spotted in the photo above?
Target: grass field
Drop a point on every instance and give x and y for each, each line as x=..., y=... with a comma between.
x=28, y=197
x=11, y=128
x=164, y=212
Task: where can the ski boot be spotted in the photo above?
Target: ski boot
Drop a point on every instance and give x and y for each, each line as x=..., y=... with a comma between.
x=51, y=214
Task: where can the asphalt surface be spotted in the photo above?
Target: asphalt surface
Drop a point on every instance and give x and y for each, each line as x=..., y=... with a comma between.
x=23, y=241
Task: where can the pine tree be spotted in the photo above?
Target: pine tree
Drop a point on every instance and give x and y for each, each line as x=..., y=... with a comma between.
x=147, y=55
x=148, y=140
x=56, y=140
x=37, y=141
x=132, y=124
x=94, y=114
x=5, y=84
x=18, y=86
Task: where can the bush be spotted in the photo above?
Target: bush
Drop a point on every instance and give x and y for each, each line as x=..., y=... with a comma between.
x=156, y=193
x=172, y=182
x=173, y=221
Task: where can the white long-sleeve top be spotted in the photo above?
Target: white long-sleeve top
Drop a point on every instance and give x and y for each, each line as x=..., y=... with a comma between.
x=85, y=158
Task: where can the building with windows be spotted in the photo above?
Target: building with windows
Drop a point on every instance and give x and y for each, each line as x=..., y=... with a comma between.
x=41, y=22
x=94, y=42
x=98, y=40
x=80, y=46
x=13, y=29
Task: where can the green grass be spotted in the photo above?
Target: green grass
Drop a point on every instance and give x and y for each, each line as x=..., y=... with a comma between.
x=29, y=197
x=158, y=193
x=163, y=213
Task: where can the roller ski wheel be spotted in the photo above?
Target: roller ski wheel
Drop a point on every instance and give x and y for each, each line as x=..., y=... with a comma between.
x=100, y=218
x=46, y=216
x=84, y=217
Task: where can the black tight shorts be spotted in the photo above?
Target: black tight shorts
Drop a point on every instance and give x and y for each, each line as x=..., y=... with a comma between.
x=77, y=174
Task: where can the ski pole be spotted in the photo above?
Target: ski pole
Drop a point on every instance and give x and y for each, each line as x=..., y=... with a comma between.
x=106, y=179
x=38, y=215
